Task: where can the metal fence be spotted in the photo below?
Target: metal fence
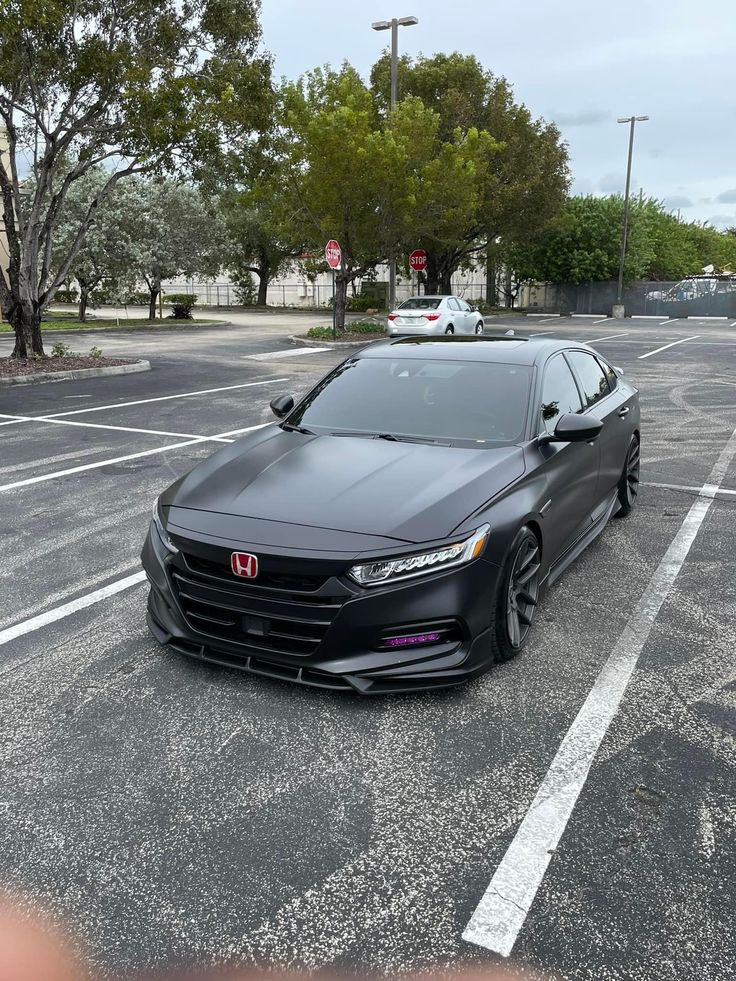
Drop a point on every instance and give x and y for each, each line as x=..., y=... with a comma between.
x=704, y=296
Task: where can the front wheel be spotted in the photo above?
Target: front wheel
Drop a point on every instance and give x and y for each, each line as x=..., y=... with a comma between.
x=628, y=484
x=479, y=327
x=450, y=330
x=517, y=597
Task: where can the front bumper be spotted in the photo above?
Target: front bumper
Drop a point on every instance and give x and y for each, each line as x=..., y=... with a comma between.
x=312, y=625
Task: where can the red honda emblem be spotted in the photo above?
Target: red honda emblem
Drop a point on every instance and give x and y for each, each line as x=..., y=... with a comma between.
x=244, y=564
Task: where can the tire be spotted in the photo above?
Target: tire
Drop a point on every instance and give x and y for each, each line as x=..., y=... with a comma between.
x=450, y=330
x=479, y=327
x=517, y=597
x=628, y=484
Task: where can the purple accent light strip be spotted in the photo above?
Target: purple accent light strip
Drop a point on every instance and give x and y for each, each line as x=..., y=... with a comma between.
x=411, y=639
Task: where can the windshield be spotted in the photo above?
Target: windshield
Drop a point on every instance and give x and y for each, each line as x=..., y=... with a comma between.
x=421, y=303
x=450, y=401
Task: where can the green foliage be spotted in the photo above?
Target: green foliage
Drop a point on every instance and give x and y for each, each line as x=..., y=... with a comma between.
x=362, y=302
x=182, y=304
x=95, y=352
x=66, y=296
x=136, y=298
x=61, y=350
x=357, y=327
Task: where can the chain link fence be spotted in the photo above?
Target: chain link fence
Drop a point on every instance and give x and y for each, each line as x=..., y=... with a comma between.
x=694, y=296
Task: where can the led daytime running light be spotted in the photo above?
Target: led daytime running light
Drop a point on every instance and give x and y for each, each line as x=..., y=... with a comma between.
x=423, y=563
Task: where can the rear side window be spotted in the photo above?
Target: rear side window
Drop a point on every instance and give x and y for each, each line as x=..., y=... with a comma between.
x=421, y=303
x=594, y=383
x=610, y=374
x=560, y=394
x=453, y=304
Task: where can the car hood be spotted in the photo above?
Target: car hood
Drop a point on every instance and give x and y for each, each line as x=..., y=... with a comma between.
x=411, y=492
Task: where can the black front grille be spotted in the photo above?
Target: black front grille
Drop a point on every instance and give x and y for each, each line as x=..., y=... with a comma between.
x=282, y=613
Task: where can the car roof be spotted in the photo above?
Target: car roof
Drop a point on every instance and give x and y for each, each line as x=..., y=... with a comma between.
x=503, y=348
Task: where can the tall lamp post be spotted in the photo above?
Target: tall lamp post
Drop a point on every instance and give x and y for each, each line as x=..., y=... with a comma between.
x=393, y=26
x=618, y=310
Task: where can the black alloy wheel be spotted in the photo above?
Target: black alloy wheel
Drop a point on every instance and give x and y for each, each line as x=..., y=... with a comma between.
x=628, y=485
x=518, y=596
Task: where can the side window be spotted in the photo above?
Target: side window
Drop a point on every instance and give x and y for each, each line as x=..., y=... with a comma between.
x=465, y=307
x=453, y=304
x=559, y=392
x=610, y=374
x=590, y=373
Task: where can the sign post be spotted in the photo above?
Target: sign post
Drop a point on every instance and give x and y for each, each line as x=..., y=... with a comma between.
x=418, y=263
x=333, y=258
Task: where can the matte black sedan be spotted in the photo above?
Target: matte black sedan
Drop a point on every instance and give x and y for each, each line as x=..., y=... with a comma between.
x=398, y=527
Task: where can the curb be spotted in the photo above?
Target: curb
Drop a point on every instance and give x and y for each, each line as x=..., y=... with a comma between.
x=137, y=328
x=57, y=376
x=338, y=345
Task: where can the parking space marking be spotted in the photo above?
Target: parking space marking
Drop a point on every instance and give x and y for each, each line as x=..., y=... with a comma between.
x=704, y=491
x=608, y=337
x=501, y=913
x=673, y=321
x=120, y=429
x=733, y=324
x=602, y=321
x=549, y=319
x=542, y=332
x=160, y=398
x=41, y=478
x=664, y=348
x=286, y=353
x=66, y=609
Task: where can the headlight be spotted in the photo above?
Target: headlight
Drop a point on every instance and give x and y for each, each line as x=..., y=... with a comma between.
x=423, y=563
x=161, y=529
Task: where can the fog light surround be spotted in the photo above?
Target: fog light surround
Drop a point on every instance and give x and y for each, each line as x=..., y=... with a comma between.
x=413, y=640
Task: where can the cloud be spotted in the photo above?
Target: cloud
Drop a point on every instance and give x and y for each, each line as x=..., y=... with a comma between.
x=723, y=221
x=582, y=185
x=585, y=117
x=677, y=201
x=613, y=183
x=727, y=197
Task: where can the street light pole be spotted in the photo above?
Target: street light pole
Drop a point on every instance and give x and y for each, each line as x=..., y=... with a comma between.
x=618, y=310
x=394, y=25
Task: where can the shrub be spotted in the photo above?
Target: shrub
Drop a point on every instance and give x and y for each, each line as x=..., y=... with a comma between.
x=359, y=327
x=181, y=304
x=95, y=353
x=66, y=296
x=61, y=350
x=138, y=299
x=362, y=302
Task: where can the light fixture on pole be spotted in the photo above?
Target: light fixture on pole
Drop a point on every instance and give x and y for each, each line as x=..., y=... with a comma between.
x=618, y=310
x=393, y=26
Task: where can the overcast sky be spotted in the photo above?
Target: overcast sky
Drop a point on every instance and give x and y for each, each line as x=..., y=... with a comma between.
x=581, y=63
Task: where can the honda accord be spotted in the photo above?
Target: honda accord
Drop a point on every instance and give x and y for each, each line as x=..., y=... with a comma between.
x=397, y=527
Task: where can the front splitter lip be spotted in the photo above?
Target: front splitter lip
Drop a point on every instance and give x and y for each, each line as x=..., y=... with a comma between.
x=379, y=683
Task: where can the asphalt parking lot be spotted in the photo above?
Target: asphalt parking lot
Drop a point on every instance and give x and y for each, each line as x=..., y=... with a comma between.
x=175, y=813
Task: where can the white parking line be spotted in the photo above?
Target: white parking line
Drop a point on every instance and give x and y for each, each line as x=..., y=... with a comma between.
x=501, y=913
x=673, y=321
x=673, y=344
x=285, y=353
x=701, y=491
x=549, y=319
x=541, y=333
x=608, y=337
x=161, y=398
x=81, y=603
x=733, y=324
x=42, y=478
x=120, y=429
x=602, y=321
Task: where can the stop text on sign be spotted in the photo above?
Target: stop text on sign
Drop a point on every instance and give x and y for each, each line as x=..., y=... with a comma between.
x=333, y=254
x=418, y=260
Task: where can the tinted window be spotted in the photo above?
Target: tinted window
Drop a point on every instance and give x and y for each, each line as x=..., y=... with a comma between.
x=591, y=376
x=559, y=393
x=421, y=303
x=609, y=373
x=456, y=401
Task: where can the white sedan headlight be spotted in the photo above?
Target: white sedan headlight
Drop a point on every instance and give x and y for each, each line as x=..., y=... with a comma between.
x=422, y=563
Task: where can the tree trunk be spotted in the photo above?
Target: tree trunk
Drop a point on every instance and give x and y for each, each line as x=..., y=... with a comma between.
x=445, y=281
x=83, y=301
x=154, y=291
x=263, y=278
x=508, y=290
x=341, y=292
x=27, y=327
x=491, y=292
x=431, y=277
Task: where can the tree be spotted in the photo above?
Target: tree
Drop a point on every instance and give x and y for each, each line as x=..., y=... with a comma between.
x=107, y=255
x=349, y=178
x=137, y=88
x=174, y=232
x=262, y=237
x=517, y=189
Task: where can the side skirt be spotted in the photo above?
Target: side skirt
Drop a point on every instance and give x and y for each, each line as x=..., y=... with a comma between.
x=611, y=507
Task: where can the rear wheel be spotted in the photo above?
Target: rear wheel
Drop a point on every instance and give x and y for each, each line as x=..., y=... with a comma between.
x=450, y=330
x=517, y=597
x=479, y=327
x=628, y=485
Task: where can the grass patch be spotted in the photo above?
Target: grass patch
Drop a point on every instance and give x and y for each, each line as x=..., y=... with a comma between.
x=69, y=322
x=354, y=327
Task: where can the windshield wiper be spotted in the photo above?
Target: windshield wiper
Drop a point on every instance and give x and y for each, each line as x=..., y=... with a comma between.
x=391, y=437
x=287, y=427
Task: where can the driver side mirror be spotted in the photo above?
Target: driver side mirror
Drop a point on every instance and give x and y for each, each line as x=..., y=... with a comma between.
x=282, y=405
x=573, y=429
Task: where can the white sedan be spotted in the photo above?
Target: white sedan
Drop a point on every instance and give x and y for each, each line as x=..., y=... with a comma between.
x=434, y=315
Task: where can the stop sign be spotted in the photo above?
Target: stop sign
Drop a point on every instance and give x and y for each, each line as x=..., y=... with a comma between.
x=418, y=260
x=333, y=254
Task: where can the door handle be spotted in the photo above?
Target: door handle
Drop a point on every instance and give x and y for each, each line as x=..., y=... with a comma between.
x=623, y=411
